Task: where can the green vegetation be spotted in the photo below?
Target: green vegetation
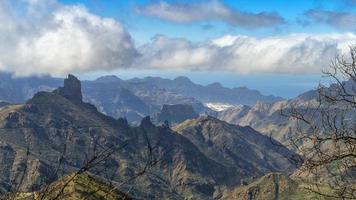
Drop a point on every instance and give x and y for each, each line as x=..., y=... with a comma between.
x=75, y=187
x=276, y=186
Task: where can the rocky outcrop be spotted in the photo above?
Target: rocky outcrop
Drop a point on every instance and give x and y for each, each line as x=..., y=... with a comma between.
x=72, y=89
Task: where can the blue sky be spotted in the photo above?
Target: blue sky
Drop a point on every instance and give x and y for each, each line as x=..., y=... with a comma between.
x=279, y=47
x=143, y=28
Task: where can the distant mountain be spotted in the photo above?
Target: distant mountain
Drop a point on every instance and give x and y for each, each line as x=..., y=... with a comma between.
x=214, y=92
x=58, y=127
x=267, y=118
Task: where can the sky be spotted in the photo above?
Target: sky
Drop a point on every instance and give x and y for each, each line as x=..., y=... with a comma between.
x=279, y=47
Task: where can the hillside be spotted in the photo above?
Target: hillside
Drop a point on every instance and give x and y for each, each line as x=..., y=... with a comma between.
x=73, y=187
x=236, y=146
x=274, y=186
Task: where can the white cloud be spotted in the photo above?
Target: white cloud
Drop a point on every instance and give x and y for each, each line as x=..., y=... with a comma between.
x=55, y=39
x=210, y=10
x=68, y=39
x=294, y=53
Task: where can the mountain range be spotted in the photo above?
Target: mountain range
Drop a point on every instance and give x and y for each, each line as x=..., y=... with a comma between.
x=55, y=133
x=135, y=98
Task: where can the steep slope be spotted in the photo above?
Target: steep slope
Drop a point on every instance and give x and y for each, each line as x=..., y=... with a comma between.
x=235, y=146
x=55, y=133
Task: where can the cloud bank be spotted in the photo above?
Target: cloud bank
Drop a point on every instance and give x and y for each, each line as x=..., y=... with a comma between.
x=55, y=39
x=294, y=53
x=210, y=10
x=50, y=38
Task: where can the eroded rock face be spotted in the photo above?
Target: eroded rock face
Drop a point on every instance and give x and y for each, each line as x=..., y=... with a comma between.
x=71, y=90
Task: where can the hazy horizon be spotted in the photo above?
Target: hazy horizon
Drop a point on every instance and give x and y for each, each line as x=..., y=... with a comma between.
x=288, y=86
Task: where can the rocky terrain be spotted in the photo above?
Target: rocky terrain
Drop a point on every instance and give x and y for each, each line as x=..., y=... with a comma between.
x=56, y=133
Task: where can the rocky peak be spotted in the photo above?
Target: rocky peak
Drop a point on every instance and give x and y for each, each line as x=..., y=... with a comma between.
x=71, y=90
